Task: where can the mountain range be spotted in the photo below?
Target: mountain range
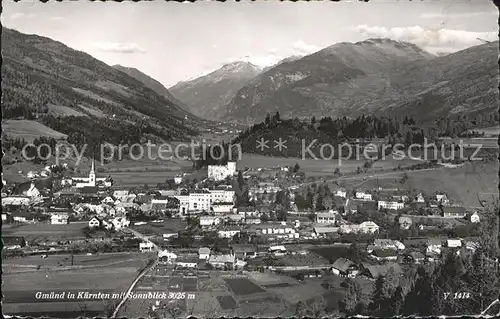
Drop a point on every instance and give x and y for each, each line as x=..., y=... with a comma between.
x=373, y=76
x=43, y=78
x=208, y=94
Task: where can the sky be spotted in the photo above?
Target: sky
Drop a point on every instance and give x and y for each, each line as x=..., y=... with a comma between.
x=175, y=42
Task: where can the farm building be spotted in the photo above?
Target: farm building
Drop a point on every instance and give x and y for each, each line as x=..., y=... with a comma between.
x=222, y=261
x=384, y=254
x=243, y=251
x=327, y=217
x=13, y=242
x=59, y=219
x=453, y=212
x=375, y=271
x=325, y=231
x=204, y=253
x=345, y=267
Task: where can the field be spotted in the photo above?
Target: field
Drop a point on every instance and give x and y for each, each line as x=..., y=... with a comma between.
x=312, y=167
x=462, y=184
x=243, y=286
x=45, y=231
x=489, y=131
x=331, y=252
x=29, y=130
x=64, y=260
x=19, y=290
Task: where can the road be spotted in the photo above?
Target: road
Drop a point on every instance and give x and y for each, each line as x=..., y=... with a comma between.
x=143, y=272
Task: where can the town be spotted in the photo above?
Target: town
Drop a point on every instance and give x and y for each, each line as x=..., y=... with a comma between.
x=235, y=223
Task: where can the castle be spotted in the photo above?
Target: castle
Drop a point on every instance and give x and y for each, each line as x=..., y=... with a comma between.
x=221, y=172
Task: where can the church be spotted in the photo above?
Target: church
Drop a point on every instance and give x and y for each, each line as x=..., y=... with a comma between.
x=92, y=180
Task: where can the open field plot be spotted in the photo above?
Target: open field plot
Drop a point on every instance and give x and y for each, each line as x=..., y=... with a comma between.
x=462, y=184
x=331, y=252
x=310, y=259
x=227, y=302
x=168, y=225
x=19, y=290
x=300, y=292
x=39, y=231
x=242, y=286
x=488, y=199
x=29, y=130
x=102, y=260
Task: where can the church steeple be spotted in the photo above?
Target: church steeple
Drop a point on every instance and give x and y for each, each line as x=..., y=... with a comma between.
x=92, y=180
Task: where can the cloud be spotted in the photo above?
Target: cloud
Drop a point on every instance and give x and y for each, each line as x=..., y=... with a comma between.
x=444, y=15
x=20, y=15
x=301, y=48
x=119, y=47
x=438, y=40
x=57, y=18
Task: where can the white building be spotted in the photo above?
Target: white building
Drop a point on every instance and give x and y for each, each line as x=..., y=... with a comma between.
x=221, y=172
x=200, y=201
x=33, y=192
x=204, y=253
x=222, y=208
x=420, y=198
x=474, y=218
x=363, y=195
x=341, y=192
x=228, y=233
x=94, y=222
x=59, y=219
x=390, y=204
x=146, y=246
x=327, y=217
x=454, y=243
x=442, y=199
x=369, y=227
x=209, y=221
x=178, y=179
x=222, y=195
x=120, y=222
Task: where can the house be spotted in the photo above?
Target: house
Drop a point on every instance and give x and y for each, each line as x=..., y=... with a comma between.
x=235, y=218
x=165, y=256
x=146, y=246
x=363, y=195
x=345, y=268
x=225, y=261
x=453, y=212
x=178, y=179
x=229, y=232
x=253, y=221
x=388, y=203
x=375, y=271
x=405, y=222
x=120, y=222
x=454, y=243
x=13, y=242
x=95, y=222
x=22, y=216
x=221, y=172
x=277, y=250
x=474, y=218
x=420, y=198
x=325, y=231
x=434, y=246
x=384, y=254
x=33, y=192
x=209, y=221
x=108, y=200
x=119, y=194
x=59, y=219
x=15, y=201
x=222, y=208
x=204, y=253
x=6, y=217
x=187, y=262
x=327, y=217
x=417, y=257
x=222, y=195
x=388, y=244
x=349, y=228
x=341, y=192
x=244, y=251
x=369, y=227
x=442, y=199
x=248, y=211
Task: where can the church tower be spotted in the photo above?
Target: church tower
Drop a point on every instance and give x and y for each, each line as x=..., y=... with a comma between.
x=92, y=174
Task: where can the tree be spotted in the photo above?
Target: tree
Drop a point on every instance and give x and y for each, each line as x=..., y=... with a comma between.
x=296, y=168
x=353, y=298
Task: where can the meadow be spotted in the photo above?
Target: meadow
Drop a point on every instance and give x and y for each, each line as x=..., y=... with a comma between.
x=47, y=231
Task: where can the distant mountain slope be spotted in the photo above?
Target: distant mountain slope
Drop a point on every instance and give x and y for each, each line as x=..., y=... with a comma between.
x=149, y=82
x=39, y=74
x=205, y=96
x=376, y=75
